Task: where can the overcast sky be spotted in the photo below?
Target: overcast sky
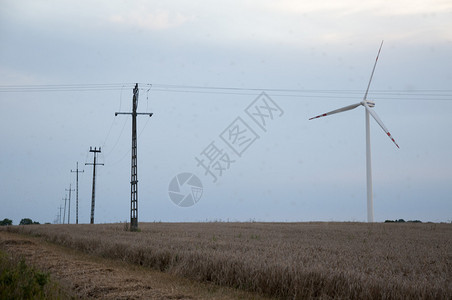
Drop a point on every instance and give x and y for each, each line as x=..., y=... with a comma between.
x=309, y=57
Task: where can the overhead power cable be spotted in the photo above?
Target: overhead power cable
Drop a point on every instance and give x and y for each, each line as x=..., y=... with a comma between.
x=63, y=87
x=418, y=95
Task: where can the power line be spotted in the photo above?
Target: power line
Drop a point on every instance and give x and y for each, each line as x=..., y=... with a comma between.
x=217, y=89
x=117, y=140
x=440, y=94
x=63, y=87
x=174, y=86
x=321, y=96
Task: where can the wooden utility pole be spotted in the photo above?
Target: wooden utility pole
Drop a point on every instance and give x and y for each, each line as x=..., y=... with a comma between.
x=93, y=194
x=134, y=169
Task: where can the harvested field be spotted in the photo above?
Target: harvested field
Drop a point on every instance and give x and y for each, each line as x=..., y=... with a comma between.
x=76, y=275
x=285, y=260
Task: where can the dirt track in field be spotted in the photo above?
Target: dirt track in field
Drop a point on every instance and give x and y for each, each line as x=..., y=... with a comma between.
x=93, y=277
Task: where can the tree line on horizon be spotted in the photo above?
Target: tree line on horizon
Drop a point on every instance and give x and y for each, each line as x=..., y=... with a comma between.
x=28, y=221
x=24, y=221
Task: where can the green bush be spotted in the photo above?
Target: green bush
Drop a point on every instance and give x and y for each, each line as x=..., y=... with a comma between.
x=19, y=281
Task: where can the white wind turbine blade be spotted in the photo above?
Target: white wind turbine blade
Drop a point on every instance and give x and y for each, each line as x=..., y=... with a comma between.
x=337, y=111
x=373, y=70
x=374, y=114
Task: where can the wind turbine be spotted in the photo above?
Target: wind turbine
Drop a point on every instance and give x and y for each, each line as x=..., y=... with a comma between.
x=368, y=109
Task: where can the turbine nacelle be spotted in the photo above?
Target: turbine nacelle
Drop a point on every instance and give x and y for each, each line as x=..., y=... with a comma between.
x=368, y=102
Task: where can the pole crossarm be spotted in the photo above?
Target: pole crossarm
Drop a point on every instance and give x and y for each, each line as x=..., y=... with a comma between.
x=129, y=113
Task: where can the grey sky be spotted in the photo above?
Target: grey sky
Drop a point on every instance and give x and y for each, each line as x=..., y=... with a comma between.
x=298, y=170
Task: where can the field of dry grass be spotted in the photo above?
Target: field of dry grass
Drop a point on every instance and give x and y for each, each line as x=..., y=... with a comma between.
x=284, y=260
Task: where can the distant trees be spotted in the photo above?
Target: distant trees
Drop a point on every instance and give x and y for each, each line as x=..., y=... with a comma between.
x=6, y=222
x=27, y=221
x=24, y=221
x=395, y=221
x=402, y=221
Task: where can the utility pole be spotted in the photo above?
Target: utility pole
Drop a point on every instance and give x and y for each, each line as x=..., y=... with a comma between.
x=60, y=208
x=76, y=193
x=64, y=216
x=69, y=208
x=134, y=169
x=93, y=194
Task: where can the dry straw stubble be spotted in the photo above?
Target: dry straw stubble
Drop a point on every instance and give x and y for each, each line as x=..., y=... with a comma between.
x=286, y=260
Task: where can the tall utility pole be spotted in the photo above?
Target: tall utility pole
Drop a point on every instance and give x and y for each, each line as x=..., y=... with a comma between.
x=134, y=170
x=76, y=192
x=69, y=207
x=64, y=216
x=93, y=194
